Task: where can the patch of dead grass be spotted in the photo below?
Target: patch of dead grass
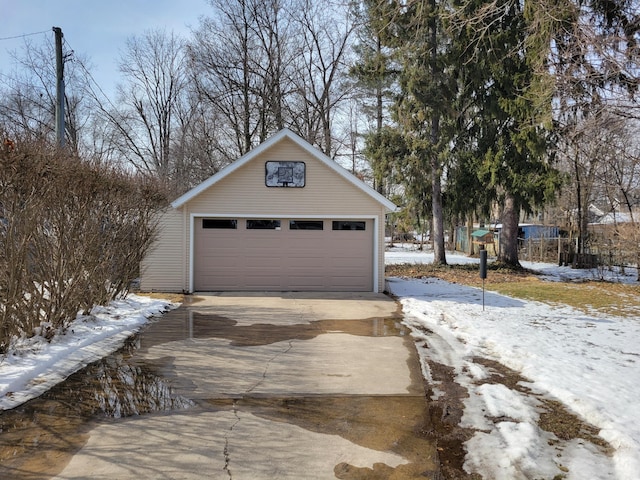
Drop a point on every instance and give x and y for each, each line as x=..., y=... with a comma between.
x=590, y=296
x=554, y=416
x=171, y=297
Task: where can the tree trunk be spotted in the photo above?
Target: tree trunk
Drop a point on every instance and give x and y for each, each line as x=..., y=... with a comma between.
x=381, y=183
x=437, y=232
x=470, y=247
x=582, y=216
x=509, y=234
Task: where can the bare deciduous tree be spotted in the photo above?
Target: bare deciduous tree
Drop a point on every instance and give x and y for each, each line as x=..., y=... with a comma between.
x=196, y=151
x=28, y=103
x=146, y=125
x=262, y=66
x=620, y=182
x=580, y=156
x=241, y=61
x=322, y=70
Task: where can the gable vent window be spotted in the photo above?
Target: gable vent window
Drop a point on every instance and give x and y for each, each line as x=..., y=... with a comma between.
x=263, y=224
x=306, y=225
x=220, y=223
x=342, y=225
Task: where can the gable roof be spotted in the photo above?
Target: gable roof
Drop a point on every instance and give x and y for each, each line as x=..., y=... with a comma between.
x=306, y=146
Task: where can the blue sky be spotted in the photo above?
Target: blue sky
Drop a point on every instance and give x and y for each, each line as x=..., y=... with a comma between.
x=97, y=29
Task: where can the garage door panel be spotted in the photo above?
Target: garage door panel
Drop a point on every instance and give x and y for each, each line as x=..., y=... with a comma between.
x=343, y=283
x=280, y=260
x=220, y=282
x=263, y=282
x=257, y=262
x=352, y=258
x=297, y=265
x=305, y=282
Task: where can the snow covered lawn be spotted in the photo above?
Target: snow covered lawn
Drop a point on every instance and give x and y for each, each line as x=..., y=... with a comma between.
x=590, y=363
x=35, y=365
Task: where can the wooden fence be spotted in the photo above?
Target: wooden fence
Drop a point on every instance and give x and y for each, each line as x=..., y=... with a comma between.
x=562, y=250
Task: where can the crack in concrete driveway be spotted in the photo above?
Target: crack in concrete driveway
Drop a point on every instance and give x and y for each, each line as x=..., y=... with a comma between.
x=227, y=454
x=266, y=368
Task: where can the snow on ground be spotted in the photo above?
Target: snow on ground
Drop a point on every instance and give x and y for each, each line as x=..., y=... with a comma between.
x=590, y=363
x=34, y=365
x=407, y=253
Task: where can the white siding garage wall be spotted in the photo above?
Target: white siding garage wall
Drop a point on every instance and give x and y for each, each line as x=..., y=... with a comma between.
x=165, y=268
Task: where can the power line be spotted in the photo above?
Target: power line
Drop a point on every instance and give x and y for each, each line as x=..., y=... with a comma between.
x=91, y=78
x=75, y=59
x=24, y=35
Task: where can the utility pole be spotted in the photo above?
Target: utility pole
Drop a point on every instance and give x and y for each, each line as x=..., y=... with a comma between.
x=59, y=87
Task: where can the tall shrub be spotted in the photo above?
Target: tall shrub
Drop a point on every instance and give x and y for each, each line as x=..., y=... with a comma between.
x=72, y=234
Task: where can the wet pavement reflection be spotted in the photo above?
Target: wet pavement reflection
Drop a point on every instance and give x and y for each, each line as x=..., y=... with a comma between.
x=185, y=324
x=47, y=429
x=397, y=424
x=38, y=438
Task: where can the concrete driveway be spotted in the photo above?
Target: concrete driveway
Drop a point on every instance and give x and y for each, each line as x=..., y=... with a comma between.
x=273, y=386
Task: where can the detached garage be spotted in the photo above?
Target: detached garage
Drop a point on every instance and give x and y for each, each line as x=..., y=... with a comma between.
x=283, y=217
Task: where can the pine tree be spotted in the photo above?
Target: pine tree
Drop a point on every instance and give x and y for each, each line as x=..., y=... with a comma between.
x=374, y=76
x=412, y=32
x=502, y=135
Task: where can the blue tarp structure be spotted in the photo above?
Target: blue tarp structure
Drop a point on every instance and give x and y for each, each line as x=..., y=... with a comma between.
x=538, y=231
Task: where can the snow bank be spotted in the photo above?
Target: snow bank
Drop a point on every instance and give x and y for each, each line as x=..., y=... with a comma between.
x=35, y=365
x=589, y=363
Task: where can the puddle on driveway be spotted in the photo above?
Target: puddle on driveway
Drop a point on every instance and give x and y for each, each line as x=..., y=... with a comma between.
x=398, y=424
x=38, y=438
x=184, y=324
x=46, y=431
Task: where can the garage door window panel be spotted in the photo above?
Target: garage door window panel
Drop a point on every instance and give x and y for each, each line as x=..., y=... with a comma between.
x=349, y=225
x=262, y=224
x=306, y=225
x=219, y=224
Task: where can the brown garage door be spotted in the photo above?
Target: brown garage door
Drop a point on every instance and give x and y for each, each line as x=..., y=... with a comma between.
x=283, y=255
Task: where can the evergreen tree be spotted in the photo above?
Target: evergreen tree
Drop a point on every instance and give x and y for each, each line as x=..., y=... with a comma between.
x=412, y=31
x=374, y=76
x=502, y=135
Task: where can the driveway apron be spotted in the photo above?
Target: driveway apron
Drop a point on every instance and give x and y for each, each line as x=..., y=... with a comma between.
x=274, y=386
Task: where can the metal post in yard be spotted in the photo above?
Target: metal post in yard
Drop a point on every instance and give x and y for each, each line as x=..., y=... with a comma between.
x=483, y=270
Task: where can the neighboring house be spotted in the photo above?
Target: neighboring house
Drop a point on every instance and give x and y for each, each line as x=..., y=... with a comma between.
x=608, y=228
x=614, y=218
x=284, y=217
